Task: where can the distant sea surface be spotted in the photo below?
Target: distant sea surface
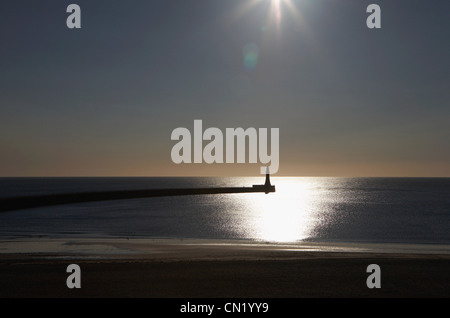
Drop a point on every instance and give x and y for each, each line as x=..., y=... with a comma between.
x=359, y=210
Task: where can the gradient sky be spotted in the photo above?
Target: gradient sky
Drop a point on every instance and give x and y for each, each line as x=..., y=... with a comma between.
x=103, y=100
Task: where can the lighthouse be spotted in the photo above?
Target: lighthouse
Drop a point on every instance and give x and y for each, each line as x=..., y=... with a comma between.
x=266, y=187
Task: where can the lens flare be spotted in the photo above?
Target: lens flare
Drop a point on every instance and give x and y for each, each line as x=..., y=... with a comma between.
x=251, y=54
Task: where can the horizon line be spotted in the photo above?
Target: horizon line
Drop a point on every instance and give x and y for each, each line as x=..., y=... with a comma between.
x=217, y=176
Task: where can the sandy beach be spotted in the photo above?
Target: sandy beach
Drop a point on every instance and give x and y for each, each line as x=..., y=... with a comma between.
x=143, y=268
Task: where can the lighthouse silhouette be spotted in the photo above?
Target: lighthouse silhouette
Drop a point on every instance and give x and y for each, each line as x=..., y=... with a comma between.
x=267, y=186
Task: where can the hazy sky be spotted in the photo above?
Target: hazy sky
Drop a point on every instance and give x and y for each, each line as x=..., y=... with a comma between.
x=103, y=100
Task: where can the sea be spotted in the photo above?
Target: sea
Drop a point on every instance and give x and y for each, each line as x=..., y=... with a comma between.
x=303, y=209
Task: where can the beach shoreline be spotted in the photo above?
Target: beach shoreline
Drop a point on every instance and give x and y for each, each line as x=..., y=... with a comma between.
x=172, y=268
x=178, y=248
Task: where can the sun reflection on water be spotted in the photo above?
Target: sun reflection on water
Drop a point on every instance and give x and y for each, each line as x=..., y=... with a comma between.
x=290, y=214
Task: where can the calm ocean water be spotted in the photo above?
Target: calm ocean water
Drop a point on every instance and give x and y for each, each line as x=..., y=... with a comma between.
x=369, y=210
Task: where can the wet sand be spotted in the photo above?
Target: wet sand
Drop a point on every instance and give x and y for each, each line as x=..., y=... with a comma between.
x=204, y=269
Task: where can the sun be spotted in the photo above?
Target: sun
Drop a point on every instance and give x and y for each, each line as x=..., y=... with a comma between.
x=276, y=3
x=275, y=9
x=278, y=7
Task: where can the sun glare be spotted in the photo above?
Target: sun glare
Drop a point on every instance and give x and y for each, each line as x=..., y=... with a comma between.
x=275, y=8
x=287, y=215
x=276, y=11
